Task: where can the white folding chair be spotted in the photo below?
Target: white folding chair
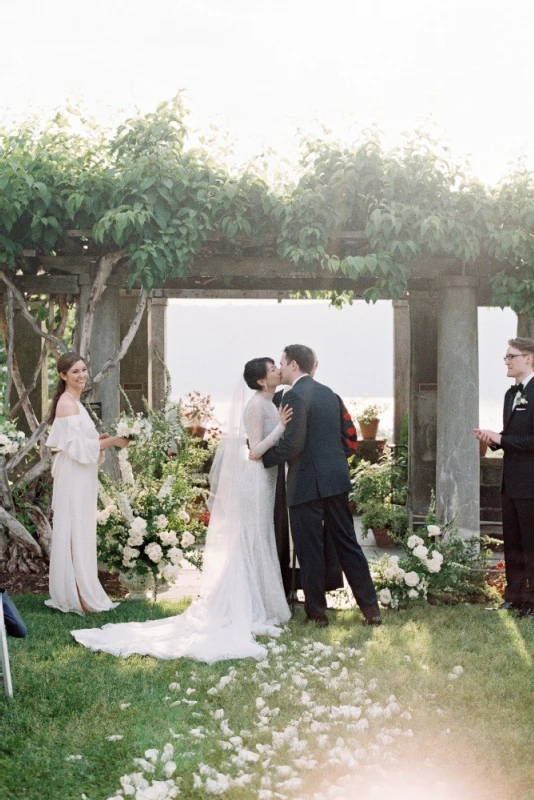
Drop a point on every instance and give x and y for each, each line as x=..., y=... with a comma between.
x=5, y=672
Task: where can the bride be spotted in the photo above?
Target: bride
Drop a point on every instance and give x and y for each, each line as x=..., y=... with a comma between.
x=241, y=590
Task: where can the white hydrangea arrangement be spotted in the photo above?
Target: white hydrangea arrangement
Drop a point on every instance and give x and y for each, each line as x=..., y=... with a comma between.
x=11, y=439
x=147, y=525
x=437, y=563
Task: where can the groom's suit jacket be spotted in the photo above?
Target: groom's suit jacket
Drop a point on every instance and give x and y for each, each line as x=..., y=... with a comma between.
x=312, y=445
x=517, y=442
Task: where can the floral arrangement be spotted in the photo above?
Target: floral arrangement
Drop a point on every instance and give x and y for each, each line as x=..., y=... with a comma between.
x=134, y=426
x=437, y=565
x=155, y=515
x=370, y=413
x=146, y=525
x=11, y=439
x=197, y=409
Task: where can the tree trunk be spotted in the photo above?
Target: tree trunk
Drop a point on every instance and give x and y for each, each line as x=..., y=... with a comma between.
x=525, y=326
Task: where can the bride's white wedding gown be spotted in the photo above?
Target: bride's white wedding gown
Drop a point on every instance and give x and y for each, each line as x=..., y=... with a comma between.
x=242, y=594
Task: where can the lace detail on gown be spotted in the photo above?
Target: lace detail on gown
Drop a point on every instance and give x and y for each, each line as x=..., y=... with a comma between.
x=247, y=598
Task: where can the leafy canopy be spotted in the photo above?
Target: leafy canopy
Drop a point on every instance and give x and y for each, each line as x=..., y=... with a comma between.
x=358, y=210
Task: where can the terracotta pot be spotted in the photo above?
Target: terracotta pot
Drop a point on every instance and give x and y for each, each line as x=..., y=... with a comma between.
x=196, y=430
x=483, y=448
x=369, y=429
x=383, y=538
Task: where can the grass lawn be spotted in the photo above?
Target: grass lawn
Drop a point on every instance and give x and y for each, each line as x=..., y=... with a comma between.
x=342, y=712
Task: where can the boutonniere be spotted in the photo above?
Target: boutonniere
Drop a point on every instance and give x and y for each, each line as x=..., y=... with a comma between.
x=522, y=402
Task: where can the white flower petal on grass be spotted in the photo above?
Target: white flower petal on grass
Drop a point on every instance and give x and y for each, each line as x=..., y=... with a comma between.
x=144, y=764
x=73, y=758
x=169, y=769
x=124, y=706
x=458, y=670
x=115, y=737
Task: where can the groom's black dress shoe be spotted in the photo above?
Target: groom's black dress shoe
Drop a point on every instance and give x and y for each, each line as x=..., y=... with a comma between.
x=374, y=620
x=14, y=623
x=508, y=606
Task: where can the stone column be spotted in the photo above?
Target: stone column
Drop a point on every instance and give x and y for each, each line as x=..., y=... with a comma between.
x=458, y=459
x=157, y=344
x=401, y=365
x=105, y=340
x=423, y=403
x=134, y=365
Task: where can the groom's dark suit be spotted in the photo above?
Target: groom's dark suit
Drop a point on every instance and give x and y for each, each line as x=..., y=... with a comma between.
x=517, y=442
x=318, y=483
x=333, y=572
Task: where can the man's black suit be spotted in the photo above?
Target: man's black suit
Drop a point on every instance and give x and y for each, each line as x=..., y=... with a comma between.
x=333, y=572
x=517, y=442
x=318, y=483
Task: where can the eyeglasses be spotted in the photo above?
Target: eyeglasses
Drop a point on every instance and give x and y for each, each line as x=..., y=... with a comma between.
x=513, y=355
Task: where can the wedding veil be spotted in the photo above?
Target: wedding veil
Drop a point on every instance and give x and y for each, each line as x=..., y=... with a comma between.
x=225, y=502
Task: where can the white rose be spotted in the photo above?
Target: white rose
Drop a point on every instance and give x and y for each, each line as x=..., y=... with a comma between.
x=183, y=515
x=4, y=439
x=161, y=522
x=384, y=595
x=437, y=556
x=136, y=427
x=102, y=516
x=394, y=561
x=187, y=539
x=175, y=555
x=420, y=551
x=154, y=552
x=138, y=525
x=413, y=593
x=390, y=573
x=168, y=538
x=170, y=573
x=129, y=555
x=413, y=541
x=433, y=530
x=135, y=538
x=433, y=566
x=411, y=578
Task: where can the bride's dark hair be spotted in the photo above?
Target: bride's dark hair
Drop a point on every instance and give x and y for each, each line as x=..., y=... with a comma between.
x=255, y=371
x=65, y=362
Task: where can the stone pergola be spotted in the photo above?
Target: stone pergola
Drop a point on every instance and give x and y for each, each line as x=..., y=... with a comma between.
x=436, y=348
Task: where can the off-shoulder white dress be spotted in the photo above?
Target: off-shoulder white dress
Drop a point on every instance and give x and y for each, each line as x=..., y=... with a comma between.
x=73, y=563
x=247, y=599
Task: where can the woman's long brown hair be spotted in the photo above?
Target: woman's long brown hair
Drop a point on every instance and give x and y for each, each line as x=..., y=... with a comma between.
x=65, y=362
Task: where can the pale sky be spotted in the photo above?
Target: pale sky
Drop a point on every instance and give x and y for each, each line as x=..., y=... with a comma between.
x=261, y=69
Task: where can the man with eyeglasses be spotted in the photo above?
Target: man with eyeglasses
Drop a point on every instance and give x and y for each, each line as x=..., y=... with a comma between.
x=517, y=489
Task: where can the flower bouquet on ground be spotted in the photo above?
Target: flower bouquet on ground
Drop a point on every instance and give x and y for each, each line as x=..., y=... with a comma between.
x=438, y=565
x=11, y=439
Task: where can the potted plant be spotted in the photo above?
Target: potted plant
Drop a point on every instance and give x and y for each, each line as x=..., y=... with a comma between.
x=197, y=412
x=388, y=521
x=369, y=420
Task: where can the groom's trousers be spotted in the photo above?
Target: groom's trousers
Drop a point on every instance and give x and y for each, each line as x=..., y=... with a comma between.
x=307, y=529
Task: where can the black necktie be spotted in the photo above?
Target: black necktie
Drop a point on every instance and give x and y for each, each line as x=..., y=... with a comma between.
x=518, y=387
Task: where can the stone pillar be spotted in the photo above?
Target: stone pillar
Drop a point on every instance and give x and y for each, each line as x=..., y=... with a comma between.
x=423, y=399
x=458, y=459
x=401, y=365
x=134, y=365
x=28, y=346
x=157, y=344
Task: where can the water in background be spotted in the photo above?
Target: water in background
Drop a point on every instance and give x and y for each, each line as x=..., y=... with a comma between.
x=490, y=414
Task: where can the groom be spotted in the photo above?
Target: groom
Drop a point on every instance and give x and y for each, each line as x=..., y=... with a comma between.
x=318, y=483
